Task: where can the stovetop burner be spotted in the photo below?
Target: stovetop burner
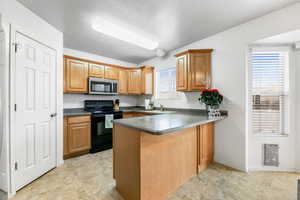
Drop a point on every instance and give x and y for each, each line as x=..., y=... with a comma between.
x=99, y=106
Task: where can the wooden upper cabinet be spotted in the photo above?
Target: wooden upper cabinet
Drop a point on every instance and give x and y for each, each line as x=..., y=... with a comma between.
x=134, y=81
x=147, y=80
x=194, y=70
x=181, y=73
x=123, y=81
x=96, y=70
x=76, y=75
x=200, y=71
x=111, y=73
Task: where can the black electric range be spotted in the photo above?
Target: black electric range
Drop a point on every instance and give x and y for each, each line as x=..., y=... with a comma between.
x=102, y=114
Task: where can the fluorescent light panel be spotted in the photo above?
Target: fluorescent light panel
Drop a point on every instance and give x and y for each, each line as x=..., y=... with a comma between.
x=124, y=34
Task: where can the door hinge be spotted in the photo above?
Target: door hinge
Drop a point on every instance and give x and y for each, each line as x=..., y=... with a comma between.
x=15, y=107
x=16, y=166
x=16, y=47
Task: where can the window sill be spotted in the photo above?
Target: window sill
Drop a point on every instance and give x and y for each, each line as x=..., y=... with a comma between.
x=271, y=135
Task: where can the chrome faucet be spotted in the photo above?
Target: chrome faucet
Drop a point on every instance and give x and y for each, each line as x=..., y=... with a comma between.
x=162, y=107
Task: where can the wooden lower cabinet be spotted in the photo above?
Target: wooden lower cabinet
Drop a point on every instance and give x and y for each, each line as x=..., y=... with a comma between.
x=134, y=114
x=151, y=167
x=77, y=135
x=65, y=136
x=205, y=146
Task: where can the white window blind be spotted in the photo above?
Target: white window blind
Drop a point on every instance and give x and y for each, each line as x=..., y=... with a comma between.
x=269, y=91
x=166, y=84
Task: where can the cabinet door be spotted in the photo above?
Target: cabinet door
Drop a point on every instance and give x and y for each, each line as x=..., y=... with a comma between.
x=205, y=140
x=133, y=114
x=199, y=71
x=111, y=73
x=134, y=81
x=123, y=81
x=66, y=150
x=148, y=80
x=79, y=137
x=96, y=70
x=76, y=75
x=181, y=73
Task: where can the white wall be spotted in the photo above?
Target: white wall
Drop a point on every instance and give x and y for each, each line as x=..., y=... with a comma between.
x=229, y=75
x=22, y=19
x=77, y=100
x=297, y=64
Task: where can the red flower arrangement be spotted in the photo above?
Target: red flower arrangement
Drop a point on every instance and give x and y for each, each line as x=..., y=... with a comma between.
x=211, y=97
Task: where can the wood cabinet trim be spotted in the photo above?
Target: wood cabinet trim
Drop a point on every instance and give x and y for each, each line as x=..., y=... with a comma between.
x=79, y=119
x=98, y=63
x=182, y=73
x=194, y=51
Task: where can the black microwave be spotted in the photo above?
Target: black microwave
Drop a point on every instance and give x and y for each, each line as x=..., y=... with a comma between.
x=103, y=86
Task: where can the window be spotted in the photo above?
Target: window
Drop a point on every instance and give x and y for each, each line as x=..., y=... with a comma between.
x=166, y=84
x=269, y=92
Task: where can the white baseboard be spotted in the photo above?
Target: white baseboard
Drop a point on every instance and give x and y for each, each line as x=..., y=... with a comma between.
x=3, y=184
x=272, y=169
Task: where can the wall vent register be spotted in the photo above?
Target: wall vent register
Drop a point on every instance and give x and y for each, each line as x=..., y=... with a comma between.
x=271, y=155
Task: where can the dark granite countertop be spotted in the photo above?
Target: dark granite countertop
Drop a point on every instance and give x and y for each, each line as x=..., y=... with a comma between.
x=168, y=122
x=161, y=122
x=137, y=109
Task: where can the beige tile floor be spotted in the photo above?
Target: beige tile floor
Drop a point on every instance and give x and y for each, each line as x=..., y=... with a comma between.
x=89, y=177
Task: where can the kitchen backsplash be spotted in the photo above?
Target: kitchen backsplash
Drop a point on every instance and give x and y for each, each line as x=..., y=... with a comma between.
x=188, y=100
x=77, y=100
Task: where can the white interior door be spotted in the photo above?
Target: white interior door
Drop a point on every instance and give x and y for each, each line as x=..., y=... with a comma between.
x=3, y=140
x=35, y=128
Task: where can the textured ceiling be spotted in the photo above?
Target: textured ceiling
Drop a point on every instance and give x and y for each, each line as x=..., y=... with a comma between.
x=174, y=23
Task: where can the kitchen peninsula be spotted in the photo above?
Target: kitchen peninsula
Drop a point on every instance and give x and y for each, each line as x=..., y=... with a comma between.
x=154, y=155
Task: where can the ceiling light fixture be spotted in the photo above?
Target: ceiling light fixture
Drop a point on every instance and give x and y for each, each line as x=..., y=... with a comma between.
x=124, y=34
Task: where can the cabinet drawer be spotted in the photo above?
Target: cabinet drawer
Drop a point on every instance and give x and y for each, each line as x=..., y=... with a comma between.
x=79, y=119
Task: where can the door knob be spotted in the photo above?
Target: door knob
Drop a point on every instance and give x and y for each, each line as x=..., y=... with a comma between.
x=53, y=115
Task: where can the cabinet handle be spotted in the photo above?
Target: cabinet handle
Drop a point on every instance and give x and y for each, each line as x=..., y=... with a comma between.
x=53, y=115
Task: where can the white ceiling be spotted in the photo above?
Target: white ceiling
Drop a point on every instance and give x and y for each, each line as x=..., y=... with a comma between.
x=174, y=23
x=284, y=38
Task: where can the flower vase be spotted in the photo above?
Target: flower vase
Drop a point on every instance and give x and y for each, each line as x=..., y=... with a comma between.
x=213, y=111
